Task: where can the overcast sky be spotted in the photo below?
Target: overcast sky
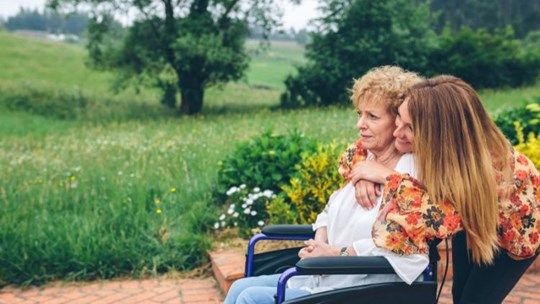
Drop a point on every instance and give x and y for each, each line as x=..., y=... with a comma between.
x=294, y=16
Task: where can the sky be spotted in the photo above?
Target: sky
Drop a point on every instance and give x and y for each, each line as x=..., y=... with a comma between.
x=294, y=16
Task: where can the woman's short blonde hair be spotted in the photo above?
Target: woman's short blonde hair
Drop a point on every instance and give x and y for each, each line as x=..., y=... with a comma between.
x=385, y=84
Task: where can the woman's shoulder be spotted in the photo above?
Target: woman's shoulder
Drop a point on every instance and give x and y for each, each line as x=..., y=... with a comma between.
x=406, y=164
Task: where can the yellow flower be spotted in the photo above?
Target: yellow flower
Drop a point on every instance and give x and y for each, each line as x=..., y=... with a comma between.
x=173, y=190
x=158, y=211
x=73, y=178
x=158, y=201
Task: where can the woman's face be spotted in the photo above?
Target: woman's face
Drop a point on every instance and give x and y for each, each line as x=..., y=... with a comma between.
x=404, y=133
x=376, y=126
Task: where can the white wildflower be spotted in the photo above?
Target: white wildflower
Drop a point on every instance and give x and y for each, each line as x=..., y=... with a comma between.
x=222, y=223
x=256, y=189
x=253, y=213
x=242, y=186
x=247, y=211
x=235, y=214
x=222, y=217
x=260, y=223
x=232, y=190
x=216, y=225
x=244, y=206
x=230, y=211
x=268, y=193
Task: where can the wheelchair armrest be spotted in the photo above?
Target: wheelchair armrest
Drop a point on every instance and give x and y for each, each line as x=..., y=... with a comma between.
x=288, y=230
x=334, y=265
x=344, y=265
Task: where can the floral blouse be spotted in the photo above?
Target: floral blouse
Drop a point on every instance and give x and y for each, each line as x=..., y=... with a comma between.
x=408, y=218
x=353, y=154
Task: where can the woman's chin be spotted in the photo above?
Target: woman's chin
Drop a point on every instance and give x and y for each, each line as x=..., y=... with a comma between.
x=403, y=148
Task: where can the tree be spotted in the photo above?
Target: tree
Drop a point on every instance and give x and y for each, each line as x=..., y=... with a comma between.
x=175, y=45
x=352, y=37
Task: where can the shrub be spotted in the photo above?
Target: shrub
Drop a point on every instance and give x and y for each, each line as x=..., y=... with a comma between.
x=281, y=212
x=484, y=60
x=528, y=117
x=316, y=180
x=246, y=210
x=266, y=161
x=531, y=147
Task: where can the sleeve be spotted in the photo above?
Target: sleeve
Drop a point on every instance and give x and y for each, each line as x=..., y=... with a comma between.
x=350, y=157
x=322, y=218
x=518, y=215
x=408, y=218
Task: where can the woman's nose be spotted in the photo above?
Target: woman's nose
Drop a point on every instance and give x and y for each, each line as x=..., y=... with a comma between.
x=397, y=132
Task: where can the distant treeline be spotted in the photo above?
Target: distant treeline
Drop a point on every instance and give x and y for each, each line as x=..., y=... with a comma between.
x=522, y=15
x=48, y=21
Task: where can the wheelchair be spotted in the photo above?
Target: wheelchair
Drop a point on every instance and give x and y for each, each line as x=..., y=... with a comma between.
x=287, y=262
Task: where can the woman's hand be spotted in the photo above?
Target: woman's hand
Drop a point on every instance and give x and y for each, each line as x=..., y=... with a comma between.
x=366, y=193
x=317, y=248
x=370, y=171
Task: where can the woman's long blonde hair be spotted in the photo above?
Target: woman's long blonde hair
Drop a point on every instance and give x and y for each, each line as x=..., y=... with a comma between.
x=461, y=157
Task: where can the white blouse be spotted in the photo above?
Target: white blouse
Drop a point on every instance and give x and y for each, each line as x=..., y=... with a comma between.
x=349, y=224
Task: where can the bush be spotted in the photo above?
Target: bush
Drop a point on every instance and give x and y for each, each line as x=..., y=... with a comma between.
x=528, y=117
x=484, y=60
x=280, y=211
x=531, y=147
x=247, y=209
x=316, y=180
x=267, y=161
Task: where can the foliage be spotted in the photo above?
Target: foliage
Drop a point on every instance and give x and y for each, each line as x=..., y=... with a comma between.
x=484, y=60
x=353, y=37
x=317, y=178
x=246, y=210
x=280, y=211
x=531, y=147
x=526, y=115
x=266, y=161
x=523, y=16
x=196, y=46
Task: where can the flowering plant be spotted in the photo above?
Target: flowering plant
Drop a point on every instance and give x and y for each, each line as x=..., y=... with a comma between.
x=246, y=209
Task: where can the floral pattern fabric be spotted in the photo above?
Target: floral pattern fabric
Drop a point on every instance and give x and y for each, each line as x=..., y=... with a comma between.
x=353, y=155
x=408, y=218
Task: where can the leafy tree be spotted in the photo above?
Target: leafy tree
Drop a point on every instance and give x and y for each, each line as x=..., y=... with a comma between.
x=352, y=37
x=180, y=46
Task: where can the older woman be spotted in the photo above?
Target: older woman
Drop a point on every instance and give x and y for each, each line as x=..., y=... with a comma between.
x=470, y=179
x=344, y=227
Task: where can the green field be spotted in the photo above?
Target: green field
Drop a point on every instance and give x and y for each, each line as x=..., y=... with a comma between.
x=90, y=197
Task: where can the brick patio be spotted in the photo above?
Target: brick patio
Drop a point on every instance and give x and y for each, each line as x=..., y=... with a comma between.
x=204, y=290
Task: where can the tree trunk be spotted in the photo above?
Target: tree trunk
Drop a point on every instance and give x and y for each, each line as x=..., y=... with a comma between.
x=192, y=99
